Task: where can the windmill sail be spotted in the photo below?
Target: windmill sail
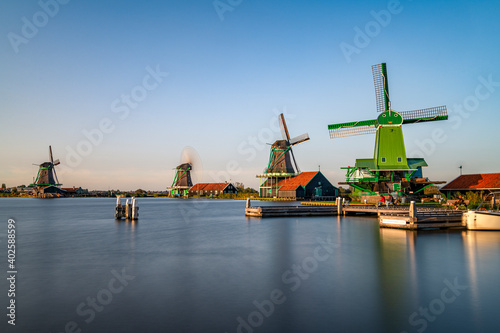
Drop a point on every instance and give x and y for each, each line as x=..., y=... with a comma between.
x=381, y=87
x=299, y=139
x=430, y=114
x=352, y=128
x=284, y=130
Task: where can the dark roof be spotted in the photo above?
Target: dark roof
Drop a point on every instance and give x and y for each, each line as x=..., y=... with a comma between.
x=481, y=181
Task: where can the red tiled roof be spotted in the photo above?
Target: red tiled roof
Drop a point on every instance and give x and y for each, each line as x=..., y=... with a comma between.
x=289, y=187
x=215, y=186
x=209, y=187
x=198, y=187
x=301, y=179
x=476, y=182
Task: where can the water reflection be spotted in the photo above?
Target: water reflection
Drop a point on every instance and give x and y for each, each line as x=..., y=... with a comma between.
x=398, y=274
x=481, y=253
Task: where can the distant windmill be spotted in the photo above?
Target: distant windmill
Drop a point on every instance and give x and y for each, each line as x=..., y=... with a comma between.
x=190, y=163
x=183, y=175
x=47, y=173
x=282, y=163
x=282, y=159
x=390, y=169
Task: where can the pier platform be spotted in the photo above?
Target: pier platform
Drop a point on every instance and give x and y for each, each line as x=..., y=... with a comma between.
x=422, y=219
x=281, y=211
x=411, y=216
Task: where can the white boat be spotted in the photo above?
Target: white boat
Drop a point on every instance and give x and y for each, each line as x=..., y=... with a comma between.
x=481, y=219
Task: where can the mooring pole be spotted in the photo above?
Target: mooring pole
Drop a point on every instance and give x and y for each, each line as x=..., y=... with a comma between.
x=413, y=209
x=118, y=208
x=128, y=209
x=339, y=205
x=135, y=209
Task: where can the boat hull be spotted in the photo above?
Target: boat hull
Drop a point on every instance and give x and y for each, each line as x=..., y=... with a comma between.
x=479, y=220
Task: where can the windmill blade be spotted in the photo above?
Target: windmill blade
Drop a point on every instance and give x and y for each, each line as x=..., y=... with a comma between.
x=351, y=131
x=430, y=114
x=294, y=161
x=191, y=156
x=381, y=87
x=57, y=162
x=352, y=128
x=284, y=130
x=55, y=176
x=50, y=153
x=299, y=139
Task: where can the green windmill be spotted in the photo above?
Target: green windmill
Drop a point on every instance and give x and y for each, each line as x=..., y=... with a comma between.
x=390, y=170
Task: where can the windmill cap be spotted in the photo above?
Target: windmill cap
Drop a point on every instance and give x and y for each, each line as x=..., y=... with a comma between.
x=390, y=117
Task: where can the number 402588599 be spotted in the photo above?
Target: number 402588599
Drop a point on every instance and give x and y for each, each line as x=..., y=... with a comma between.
x=11, y=254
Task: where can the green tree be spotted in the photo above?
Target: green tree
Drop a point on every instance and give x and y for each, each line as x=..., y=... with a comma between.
x=239, y=186
x=140, y=193
x=3, y=185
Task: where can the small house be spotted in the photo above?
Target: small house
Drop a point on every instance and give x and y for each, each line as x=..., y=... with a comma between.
x=212, y=189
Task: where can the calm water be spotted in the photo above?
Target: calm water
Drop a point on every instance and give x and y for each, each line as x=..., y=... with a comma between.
x=201, y=266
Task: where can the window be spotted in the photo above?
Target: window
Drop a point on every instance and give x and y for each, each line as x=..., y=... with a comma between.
x=400, y=159
x=383, y=159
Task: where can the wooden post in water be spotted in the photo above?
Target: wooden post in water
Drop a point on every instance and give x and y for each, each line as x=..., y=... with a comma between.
x=135, y=209
x=128, y=209
x=248, y=203
x=119, y=209
x=412, y=213
x=413, y=209
x=339, y=205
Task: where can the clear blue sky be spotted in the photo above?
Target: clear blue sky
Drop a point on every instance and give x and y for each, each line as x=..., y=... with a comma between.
x=220, y=76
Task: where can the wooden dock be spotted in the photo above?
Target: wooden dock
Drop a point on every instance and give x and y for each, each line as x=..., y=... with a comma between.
x=410, y=217
x=283, y=211
x=401, y=217
x=420, y=218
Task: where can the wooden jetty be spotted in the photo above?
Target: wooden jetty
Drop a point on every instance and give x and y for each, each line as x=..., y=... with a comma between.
x=285, y=211
x=400, y=217
x=421, y=218
x=281, y=211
